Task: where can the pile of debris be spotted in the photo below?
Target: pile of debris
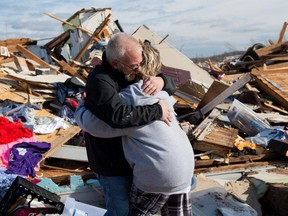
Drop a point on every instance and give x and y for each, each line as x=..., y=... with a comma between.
x=236, y=120
x=252, y=98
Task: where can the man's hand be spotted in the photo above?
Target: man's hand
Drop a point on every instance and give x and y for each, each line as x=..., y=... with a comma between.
x=166, y=116
x=152, y=85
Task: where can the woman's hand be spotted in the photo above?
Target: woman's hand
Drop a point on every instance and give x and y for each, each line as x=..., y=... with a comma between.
x=152, y=85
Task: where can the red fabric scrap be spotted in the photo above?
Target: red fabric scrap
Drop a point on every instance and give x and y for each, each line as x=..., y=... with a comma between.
x=11, y=131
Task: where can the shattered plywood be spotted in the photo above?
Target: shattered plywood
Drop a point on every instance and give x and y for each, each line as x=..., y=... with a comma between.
x=209, y=136
x=274, y=82
x=12, y=90
x=21, y=63
x=190, y=91
x=215, y=89
x=32, y=78
x=58, y=137
x=218, y=139
x=4, y=87
x=22, y=97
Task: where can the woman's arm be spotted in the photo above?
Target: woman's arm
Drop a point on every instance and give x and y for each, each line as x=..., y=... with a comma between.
x=88, y=122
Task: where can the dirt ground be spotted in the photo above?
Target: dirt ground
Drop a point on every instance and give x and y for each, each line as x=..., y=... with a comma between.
x=242, y=189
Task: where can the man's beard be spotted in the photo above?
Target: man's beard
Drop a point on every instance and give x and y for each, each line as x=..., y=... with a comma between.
x=130, y=77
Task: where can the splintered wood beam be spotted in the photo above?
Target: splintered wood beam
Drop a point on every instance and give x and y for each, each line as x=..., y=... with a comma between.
x=241, y=163
x=270, y=105
x=23, y=41
x=281, y=35
x=163, y=39
x=274, y=48
x=68, y=68
x=95, y=35
x=58, y=40
x=71, y=24
x=6, y=60
x=271, y=42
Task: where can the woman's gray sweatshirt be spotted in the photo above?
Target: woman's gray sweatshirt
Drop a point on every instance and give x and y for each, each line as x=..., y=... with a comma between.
x=161, y=156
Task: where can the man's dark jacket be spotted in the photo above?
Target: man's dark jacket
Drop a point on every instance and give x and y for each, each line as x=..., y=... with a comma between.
x=105, y=155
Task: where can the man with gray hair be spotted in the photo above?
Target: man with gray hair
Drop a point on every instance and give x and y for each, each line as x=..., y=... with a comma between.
x=121, y=62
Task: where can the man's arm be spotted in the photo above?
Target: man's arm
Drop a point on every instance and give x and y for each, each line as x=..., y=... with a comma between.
x=102, y=99
x=169, y=85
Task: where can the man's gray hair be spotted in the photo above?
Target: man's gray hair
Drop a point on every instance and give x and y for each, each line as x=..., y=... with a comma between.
x=119, y=44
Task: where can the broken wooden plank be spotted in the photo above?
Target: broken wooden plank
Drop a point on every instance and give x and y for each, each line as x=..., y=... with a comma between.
x=11, y=43
x=205, y=123
x=219, y=139
x=198, y=115
x=95, y=34
x=235, y=160
x=282, y=33
x=4, y=87
x=69, y=69
x=6, y=60
x=275, y=48
x=58, y=137
x=21, y=97
x=23, y=41
x=29, y=54
x=214, y=90
x=279, y=109
x=250, y=163
x=275, y=83
x=20, y=63
x=273, y=66
x=61, y=39
x=71, y=24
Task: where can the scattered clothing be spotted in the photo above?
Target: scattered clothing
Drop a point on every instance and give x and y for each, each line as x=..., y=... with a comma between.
x=5, y=150
x=68, y=89
x=47, y=125
x=25, y=156
x=263, y=138
x=68, y=109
